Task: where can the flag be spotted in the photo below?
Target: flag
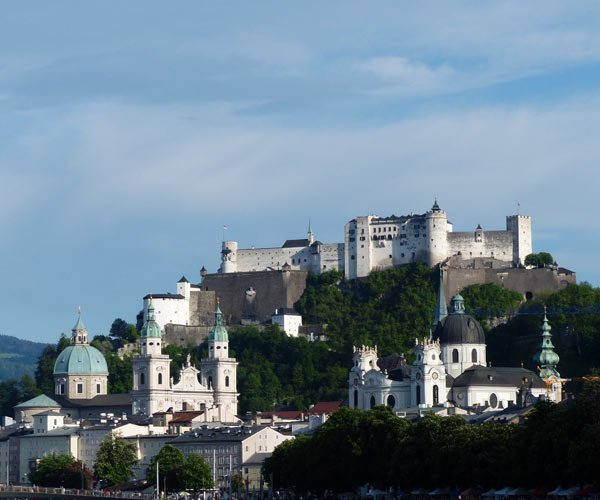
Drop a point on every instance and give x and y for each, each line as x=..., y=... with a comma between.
x=225, y=227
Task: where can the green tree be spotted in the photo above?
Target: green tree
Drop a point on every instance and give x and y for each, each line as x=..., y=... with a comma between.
x=197, y=474
x=115, y=460
x=123, y=331
x=45, y=366
x=541, y=259
x=171, y=467
x=60, y=470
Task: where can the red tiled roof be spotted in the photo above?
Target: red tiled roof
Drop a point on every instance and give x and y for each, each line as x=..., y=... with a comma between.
x=182, y=417
x=325, y=407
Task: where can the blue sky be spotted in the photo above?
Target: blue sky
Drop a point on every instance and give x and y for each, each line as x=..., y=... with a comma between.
x=130, y=132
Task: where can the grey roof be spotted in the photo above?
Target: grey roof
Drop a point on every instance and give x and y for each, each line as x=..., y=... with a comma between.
x=226, y=433
x=459, y=329
x=505, y=377
x=183, y=279
x=164, y=296
x=41, y=401
x=296, y=243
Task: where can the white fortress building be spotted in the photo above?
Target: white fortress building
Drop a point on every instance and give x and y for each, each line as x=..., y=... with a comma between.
x=378, y=243
x=296, y=255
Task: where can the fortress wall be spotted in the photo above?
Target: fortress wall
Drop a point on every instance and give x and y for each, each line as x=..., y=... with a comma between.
x=331, y=256
x=203, y=304
x=258, y=259
x=256, y=294
x=182, y=335
x=498, y=244
x=528, y=282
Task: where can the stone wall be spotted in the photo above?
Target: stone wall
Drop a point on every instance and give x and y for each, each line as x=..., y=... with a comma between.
x=255, y=295
x=528, y=282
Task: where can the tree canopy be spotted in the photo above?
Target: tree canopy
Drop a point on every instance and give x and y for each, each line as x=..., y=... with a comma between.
x=61, y=470
x=115, y=460
x=541, y=259
x=178, y=472
x=556, y=445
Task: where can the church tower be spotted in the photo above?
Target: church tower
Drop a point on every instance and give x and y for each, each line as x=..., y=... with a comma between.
x=151, y=371
x=546, y=360
x=219, y=371
x=428, y=374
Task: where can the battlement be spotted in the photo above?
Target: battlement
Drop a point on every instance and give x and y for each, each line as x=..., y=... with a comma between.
x=364, y=350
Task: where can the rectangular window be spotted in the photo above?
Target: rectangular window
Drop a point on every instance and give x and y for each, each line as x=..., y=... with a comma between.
x=98, y=388
x=79, y=388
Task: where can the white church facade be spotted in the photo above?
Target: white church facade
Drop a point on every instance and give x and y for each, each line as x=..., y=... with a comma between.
x=210, y=388
x=450, y=370
x=377, y=243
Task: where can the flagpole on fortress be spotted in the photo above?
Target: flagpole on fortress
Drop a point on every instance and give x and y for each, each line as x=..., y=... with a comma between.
x=225, y=228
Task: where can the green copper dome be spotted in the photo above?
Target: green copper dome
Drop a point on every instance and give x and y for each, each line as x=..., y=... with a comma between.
x=151, y=328
x=80, y=358
x=218, y=333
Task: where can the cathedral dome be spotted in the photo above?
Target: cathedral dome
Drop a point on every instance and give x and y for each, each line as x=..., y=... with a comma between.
x=80, y=359
x=458, y=327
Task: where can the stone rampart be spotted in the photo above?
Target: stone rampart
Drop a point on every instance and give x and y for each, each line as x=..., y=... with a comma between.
x=254, y=296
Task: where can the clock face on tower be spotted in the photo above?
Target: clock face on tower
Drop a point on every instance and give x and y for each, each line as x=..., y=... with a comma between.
x=418, y=375
x=434, y=375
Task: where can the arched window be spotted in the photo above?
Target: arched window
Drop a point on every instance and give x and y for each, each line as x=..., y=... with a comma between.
x=210, y=384
x=493, y=400
x=142, y=378
x=455, y=355
x=372, y=401
x=226, y=380
x=436, y=395
x=391, y=401
x=474, y=355
x=418, y=394
x=160, y=378
x=355, y=398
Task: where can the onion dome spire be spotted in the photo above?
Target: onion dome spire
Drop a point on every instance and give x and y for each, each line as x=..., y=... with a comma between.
x=151, y=328
x=218, y=333
x=546, y=359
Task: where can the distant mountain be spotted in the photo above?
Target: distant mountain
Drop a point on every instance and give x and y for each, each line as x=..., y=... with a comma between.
x=18, y=357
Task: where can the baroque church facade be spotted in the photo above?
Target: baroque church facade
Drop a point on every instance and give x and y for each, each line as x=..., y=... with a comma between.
x=81, y=380
x=450, y=370
x=211, y=388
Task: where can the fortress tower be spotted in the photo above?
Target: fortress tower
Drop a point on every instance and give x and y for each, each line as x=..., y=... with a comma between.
x=229, y=257
x=436, y=221
x=520, y=227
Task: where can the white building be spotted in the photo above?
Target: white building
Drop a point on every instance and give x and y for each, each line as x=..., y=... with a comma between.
x=450, y=369
x=297, y=255
x=377, y=243
x=172, y=307
x=288, y=320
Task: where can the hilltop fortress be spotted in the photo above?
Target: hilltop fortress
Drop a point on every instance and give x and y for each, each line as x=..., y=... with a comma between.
x=253, y=282
x=374, y=243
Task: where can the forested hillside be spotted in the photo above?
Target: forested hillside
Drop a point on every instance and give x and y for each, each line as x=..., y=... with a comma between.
x=18, y=357
x=388, y=309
